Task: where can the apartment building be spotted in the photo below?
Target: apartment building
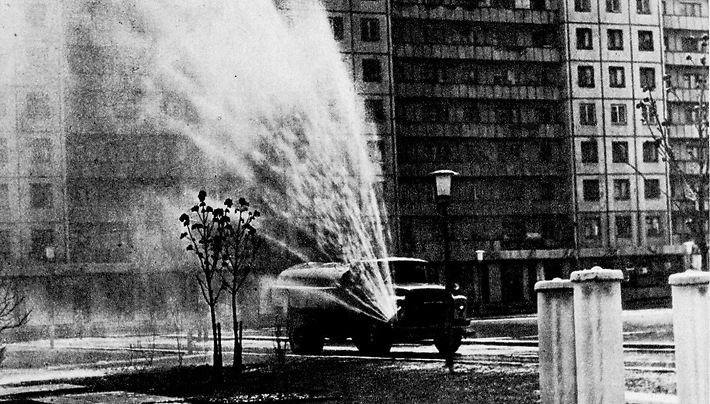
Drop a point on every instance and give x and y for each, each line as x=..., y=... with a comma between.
x=533, y=103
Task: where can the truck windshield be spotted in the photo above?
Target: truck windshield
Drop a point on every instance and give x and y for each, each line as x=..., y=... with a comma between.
x=408, y=272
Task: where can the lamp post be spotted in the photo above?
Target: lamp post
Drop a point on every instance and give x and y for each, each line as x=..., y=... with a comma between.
x=443, y=199
x=478, y=285
x=49, y=255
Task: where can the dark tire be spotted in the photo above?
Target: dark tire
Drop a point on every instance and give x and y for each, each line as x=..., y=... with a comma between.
x=373, y=338
x=305, y=340
x=443, y=347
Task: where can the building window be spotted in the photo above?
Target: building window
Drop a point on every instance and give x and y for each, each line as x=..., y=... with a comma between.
x=40, y=241
x=38, y=106
x=647, y=117
x=613, y=6
x=371, y=71
x=617, y=78
x=647, y=78
x=587, y=114
x=590, y=190
x=538, y=5
x=41, y=196
x=693, y=80
x=583, y=5
x=622, y=190
x=689, y=44
x=591, y=228
x=584, y=38
x=615, y=39
x=375, y=110
x=643, y=6
x=620, y=152
x=3, y=151
x=6, y=246
x=542, y=39
x=653, y=226
x=585, y=76
x=4, y=196
x=590, y=152
x=645, y=40
x=546, y=152
x=370, y=30
x=691, y=114
x=618, y=114
x=505, y=4
x=41, y=150
x=690, y=9
x=338, y=28
x=623, y=226
x=651, y=189
x=650, y=152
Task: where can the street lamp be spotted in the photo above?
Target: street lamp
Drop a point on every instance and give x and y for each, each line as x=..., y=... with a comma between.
x=443, y=198
x=478, y=282
x=49, y=255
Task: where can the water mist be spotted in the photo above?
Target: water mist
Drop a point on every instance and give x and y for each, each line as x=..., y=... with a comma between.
x=264, y=94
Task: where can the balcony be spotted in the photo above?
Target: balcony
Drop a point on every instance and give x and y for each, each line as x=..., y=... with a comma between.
x=486, y=169
x=516, y=92
x=482, y=14
x=685, y=22
x=685, y=95
x=679, y=58
x=474, y=52
x=682, y=131
x=481, y=130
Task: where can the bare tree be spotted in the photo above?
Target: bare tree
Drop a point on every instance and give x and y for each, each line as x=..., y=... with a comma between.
x=240, y=246
x=205, y=235
x=225, y=249
x=689, y=177
x=12, y=314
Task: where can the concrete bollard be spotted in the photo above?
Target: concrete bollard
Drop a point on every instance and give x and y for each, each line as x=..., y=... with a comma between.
x=598, y=330
x=555, y=325
x=691, y=332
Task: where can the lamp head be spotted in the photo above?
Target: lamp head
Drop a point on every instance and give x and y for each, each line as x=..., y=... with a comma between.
x=443, y=183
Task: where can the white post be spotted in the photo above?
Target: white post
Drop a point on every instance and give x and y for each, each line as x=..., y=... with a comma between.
x=598, y=330
x=555, y=327
x=691, y=332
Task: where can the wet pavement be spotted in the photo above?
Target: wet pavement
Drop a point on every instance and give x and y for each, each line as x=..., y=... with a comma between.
x=38, y=383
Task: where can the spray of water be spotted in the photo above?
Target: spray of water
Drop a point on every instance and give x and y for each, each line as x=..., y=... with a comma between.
x=264, y=93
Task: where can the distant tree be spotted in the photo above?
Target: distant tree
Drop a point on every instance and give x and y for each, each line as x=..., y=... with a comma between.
x=689, y=175
x=12, y=314
x=240, y=247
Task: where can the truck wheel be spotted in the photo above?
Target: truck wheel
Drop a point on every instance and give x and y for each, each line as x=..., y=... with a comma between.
x=443, y=347
x=373, y=339
x=305, y=341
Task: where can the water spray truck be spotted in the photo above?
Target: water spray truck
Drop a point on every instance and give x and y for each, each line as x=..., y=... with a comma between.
x=372, y=302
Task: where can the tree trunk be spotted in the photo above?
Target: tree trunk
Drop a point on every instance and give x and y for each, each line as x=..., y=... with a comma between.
x=237, y=327
x=216, y=347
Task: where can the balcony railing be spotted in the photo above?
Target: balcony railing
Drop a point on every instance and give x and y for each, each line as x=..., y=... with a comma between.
x=476, y=52
x=479, y=14
x=680, y=58
x=685, y=22
x=517, y=92
x=482, y=130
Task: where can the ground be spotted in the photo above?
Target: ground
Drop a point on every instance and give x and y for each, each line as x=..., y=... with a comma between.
x=351, y=381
